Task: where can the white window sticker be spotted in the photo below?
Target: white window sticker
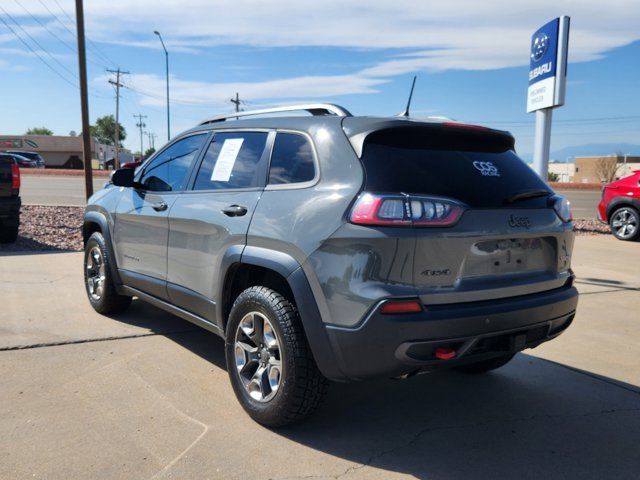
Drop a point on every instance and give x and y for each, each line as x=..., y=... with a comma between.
x=226, y=160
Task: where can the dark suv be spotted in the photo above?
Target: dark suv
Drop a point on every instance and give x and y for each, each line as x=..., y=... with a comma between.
x=337, y=247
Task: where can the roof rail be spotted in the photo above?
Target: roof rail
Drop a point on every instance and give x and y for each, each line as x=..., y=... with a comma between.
x=312, y=108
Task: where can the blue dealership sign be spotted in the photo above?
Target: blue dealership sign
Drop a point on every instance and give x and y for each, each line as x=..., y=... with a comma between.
x=547, y=65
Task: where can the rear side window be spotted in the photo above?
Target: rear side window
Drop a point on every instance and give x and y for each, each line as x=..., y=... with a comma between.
x=291, y=160
x=233, y=160
x=477, y=168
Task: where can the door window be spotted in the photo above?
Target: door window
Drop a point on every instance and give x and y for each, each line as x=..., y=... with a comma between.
x=168, y=171
x=233, y=161
x=291, y=160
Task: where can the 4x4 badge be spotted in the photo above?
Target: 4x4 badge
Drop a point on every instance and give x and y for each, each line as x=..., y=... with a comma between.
x=487, y=169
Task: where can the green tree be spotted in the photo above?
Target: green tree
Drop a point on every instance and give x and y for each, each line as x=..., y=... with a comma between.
x=553, y=177
x=149, y=151
x=39, y=131
x=105, y=130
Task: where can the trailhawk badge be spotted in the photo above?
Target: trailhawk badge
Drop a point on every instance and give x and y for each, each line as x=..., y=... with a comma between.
x=487, y=169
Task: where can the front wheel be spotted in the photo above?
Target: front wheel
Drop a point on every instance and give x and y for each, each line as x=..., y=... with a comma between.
x=270, y=365
x=486, y=365
x=98, y=282
x=625, y=223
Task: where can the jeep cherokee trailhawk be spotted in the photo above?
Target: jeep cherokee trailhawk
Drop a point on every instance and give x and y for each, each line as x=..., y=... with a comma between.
x=329, y=246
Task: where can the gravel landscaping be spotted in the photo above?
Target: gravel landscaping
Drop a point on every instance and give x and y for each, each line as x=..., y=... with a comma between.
x=59, y=228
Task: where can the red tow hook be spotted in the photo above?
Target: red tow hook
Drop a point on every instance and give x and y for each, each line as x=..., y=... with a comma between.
x=445, y=353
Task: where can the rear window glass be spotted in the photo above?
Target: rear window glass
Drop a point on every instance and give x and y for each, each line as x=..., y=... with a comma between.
x=291, y=160
x=477, y=168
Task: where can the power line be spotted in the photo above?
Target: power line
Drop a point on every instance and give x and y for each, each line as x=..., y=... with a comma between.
x=91, y=44
x=39, y=44
x=36, y=53
x=96, y=51
x=53, y=34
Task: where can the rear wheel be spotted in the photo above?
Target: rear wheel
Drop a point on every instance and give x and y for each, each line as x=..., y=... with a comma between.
x=271, y=368
x=98, y=282
x=487, y=365
x=8, y=234
x=625, y=223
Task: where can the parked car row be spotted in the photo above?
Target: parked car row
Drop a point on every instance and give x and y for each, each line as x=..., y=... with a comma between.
x=25, y=159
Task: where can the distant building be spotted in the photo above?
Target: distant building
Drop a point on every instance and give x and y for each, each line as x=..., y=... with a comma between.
x=564, y=171
x=62, y=151
x=593, y=169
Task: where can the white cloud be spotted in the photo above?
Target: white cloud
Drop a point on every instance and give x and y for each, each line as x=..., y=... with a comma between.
x=432, y=36
x=468, y=34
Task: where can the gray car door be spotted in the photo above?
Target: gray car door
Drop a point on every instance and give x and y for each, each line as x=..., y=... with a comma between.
x=212, y=217
x=141, y=229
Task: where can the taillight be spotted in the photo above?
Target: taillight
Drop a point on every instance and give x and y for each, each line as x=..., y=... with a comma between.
x=562, y=206
x=405, y=210
x=15, y=177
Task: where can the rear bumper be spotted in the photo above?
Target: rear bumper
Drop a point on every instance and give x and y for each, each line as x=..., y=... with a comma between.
x=392, y=345
x=10, y=210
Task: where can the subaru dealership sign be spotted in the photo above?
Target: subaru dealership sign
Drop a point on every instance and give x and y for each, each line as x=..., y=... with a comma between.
x=548, y=65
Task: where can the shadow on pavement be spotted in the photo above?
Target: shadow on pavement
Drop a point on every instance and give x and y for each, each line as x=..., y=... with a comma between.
x=531, y=419
x=28, y=246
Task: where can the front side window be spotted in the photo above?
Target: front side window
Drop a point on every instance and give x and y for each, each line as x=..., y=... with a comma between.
x=233, y=161
x=168, y=171
x=291, y=160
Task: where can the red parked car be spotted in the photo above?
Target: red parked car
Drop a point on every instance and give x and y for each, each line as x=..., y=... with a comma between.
x=620, y=207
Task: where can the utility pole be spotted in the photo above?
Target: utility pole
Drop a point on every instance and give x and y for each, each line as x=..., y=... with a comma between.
x=84, y=100
x=151, y=139
x=140, y=125
x=236, y=101
x=117, y=84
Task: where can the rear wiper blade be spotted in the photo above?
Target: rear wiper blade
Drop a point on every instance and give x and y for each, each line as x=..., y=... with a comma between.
x=528, y=194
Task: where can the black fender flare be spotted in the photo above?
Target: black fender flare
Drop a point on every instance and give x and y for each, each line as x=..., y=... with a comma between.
x=314, y=328
x=101, y=220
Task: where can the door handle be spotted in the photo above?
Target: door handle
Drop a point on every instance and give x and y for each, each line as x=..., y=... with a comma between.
x=159, y=207
x=234, y=211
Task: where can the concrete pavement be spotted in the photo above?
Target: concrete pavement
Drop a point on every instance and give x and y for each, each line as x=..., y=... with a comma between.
x=62, y=190
x=146, y=395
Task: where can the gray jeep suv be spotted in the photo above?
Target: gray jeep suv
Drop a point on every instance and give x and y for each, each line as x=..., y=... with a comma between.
x=329, y=246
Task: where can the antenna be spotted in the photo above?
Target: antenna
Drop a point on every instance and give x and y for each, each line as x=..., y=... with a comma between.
x=406, y=110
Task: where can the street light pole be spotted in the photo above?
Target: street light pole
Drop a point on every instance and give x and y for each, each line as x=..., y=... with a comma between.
x=166, y=56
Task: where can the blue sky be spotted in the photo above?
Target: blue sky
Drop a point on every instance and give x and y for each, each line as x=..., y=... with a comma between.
x=471, y=59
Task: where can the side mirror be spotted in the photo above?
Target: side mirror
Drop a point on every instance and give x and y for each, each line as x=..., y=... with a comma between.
x=123, y=177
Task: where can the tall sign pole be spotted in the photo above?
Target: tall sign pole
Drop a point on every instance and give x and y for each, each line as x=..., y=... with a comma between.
x=547, y=84
x=84, y=102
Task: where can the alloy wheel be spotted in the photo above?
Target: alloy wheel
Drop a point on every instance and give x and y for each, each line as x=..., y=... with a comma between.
x=624, y=223
x=258, y=356
x=95, y=273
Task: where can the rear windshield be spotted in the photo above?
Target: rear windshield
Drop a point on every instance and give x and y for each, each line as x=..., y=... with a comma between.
x=478, y=168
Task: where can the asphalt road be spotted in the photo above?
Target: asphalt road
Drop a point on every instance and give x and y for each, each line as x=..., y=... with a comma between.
x=146, y=395
x=60, y=190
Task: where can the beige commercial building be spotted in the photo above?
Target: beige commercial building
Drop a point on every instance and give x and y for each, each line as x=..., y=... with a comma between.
x=604, y=168
x=62, y=151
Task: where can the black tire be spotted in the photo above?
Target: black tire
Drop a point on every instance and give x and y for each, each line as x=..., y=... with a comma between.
x=108, y=301
x=486, y=365
x=9, y=234
x=302, y=386
x=625, y=217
